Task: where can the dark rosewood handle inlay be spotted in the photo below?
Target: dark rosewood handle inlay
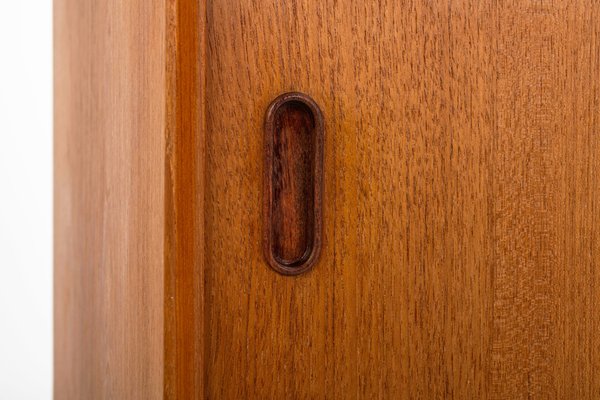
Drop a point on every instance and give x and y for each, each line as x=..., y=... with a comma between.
x=293, y=183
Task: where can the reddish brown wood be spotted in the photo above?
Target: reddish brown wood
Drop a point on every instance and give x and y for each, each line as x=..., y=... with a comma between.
x=292, y=183
x=184, y=200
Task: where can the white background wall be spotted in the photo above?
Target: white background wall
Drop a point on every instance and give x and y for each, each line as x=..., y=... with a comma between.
x=25, y=199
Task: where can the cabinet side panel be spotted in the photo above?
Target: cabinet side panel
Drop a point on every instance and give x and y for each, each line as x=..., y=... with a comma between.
x=108, y=198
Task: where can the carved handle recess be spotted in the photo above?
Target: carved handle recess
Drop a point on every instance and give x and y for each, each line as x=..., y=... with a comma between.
x=293, y=183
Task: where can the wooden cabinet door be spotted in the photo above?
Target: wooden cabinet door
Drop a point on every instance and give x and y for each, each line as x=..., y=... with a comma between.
x=459, y=213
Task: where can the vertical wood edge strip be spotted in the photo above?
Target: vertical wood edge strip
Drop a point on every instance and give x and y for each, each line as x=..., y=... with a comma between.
x=184, y=199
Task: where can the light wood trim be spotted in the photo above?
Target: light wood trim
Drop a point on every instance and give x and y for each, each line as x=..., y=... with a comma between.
x=129, y=157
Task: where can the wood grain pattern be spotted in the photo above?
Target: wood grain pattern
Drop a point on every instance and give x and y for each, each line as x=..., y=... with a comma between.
x=460, y=250
x=460, y=242
x=128, y=199
x=109, y=217
x=293, y=183
x=545, y=191
x=184, y=200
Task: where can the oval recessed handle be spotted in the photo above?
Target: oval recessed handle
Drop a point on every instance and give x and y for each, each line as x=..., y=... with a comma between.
x=293, y=181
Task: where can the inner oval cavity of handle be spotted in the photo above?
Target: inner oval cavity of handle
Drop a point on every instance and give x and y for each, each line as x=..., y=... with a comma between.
x=294, y=139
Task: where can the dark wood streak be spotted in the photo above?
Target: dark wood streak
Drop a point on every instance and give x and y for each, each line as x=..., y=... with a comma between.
x=292, y=183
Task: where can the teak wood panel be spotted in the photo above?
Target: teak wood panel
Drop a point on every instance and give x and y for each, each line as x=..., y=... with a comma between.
x=460, y=207
x=461, y=199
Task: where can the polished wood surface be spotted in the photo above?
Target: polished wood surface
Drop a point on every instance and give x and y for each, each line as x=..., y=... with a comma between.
x=460, y=251
x=128, y=198
x=460, y=245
